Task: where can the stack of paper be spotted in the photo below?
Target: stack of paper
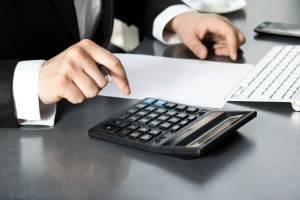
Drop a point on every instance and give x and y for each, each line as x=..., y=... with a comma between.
x=186, y=81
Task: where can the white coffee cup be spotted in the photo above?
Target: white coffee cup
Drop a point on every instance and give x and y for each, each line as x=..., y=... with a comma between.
x=215, y=3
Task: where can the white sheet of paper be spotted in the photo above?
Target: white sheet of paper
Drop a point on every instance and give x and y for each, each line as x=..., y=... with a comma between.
x=187, y=81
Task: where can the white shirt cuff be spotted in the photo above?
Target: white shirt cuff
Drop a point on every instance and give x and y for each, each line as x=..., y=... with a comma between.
x=162, y=20
x=28, y=108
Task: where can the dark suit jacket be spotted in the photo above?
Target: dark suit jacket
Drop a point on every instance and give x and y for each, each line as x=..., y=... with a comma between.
x=41, y=29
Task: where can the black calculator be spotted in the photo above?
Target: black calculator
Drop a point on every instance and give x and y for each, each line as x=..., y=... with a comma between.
x=170, y=128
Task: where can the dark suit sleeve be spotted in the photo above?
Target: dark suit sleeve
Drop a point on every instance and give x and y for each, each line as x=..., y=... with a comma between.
x=141, y=13
x=7, y=117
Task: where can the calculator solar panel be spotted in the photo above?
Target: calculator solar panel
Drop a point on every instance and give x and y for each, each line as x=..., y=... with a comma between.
x=170, y=128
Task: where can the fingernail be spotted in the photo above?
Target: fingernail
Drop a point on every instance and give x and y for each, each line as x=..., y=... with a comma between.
x=127, y=90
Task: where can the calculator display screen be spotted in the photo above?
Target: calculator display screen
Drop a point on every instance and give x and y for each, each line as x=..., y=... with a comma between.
x=210, y=134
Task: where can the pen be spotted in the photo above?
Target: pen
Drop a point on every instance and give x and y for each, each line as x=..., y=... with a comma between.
x=105, y=72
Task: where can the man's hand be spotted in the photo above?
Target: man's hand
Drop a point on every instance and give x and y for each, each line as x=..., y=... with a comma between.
x=75, y=76
x=193, y=28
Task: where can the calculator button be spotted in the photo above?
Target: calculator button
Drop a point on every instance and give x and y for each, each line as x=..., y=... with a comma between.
x=123, y=115
x=141, y=106
x=171, y=113
x=163, y=117
x=145, y=138
x=159, y=139
x=134, y=118
x=134, y=135
x=132, y=110
x=161, y=111
x=175, y=128
x=174, y=120
x=142, y=113
x=150, y=101
x=133, y=127
x=143, y=130
x=119, y=122
x=160, y=103
x=153, y=115
x=143, y=121
x=170, y=105
x=184, y=122
x=191, y=110
x=201, y=113
x=165, y=126
x=155, y=132
x=182, y=115
x=150, y=108
x=154, y=123
x=191, y=118
x=107, y=128
x=124, y=132
x=180, y=108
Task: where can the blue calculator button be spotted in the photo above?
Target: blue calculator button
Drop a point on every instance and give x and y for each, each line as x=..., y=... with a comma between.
x=160, y=103
x=149, y=101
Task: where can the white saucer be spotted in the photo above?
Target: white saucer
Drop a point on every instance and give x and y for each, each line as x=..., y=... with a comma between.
x=233, y=5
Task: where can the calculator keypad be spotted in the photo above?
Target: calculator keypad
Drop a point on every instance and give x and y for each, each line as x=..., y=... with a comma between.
x=151, y=121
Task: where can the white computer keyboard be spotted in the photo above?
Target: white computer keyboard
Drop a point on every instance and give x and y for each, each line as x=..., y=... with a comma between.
x=276, y=78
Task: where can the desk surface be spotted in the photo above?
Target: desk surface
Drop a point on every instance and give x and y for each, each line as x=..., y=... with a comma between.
x=262, y=161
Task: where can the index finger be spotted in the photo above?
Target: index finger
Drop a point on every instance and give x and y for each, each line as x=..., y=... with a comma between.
x=110, y=61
